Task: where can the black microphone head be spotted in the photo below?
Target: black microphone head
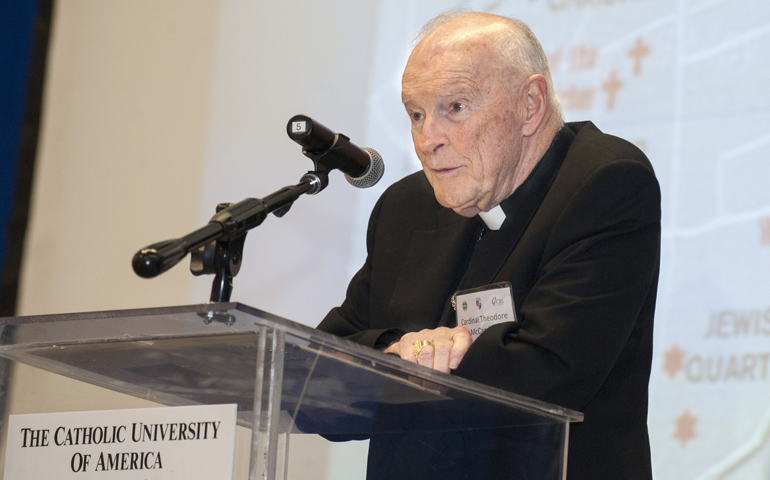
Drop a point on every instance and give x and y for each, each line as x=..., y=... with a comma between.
x=373, y=174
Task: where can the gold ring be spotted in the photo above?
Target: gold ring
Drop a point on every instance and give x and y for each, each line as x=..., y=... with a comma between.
x=418, y=346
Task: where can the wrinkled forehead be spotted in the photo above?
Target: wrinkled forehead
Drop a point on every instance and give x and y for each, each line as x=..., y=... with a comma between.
x=441, y=61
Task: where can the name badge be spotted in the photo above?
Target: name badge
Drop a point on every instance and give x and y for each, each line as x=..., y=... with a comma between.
x=480, y=308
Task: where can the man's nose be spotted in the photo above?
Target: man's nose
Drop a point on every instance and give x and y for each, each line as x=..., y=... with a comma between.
x=431, y=137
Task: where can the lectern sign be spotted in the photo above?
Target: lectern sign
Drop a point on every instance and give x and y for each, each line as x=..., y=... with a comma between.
x=171, y=443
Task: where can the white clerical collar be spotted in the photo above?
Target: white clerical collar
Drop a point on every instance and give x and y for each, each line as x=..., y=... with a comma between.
x=494, y=218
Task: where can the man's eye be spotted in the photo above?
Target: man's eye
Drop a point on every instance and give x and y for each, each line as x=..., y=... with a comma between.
x=416, y=116
x=457, y=107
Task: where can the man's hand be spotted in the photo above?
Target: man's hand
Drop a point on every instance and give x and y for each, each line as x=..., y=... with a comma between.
x=447, y=348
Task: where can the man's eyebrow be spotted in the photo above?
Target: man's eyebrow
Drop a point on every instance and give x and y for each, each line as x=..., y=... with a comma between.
x=457, y=93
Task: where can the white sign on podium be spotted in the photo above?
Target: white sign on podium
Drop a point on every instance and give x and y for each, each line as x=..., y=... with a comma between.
x=167, y=443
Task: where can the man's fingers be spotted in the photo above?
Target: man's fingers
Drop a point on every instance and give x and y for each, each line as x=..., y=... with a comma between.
x=443, y=348
x=425, y=357
x=461, y=344
x=407, y=351
x=441, y=356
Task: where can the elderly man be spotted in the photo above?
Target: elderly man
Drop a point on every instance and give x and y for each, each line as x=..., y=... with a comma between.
x=567, y=215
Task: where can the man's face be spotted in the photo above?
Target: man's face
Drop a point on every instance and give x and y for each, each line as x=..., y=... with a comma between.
x=465, y=128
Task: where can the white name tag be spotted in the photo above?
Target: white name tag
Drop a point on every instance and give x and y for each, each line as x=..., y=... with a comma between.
x=480, y=308
x=170, y=443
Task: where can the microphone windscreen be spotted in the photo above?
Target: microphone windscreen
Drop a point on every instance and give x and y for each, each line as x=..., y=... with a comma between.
x=373, y=174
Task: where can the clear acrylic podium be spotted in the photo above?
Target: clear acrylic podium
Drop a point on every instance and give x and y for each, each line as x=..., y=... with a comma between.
x=288, y=379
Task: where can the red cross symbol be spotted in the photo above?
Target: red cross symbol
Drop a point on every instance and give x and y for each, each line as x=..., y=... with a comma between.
x=611, y=88
x=637, y=53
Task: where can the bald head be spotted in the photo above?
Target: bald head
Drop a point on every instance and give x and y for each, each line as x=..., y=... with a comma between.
x=521, y=54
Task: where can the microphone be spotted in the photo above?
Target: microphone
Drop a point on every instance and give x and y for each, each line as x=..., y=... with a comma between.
x=363, y=167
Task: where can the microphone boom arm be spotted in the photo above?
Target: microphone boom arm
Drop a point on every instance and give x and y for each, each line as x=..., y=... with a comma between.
x=218, y=246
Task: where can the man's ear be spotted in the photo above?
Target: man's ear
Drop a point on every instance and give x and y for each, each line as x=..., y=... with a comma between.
x=535, y=104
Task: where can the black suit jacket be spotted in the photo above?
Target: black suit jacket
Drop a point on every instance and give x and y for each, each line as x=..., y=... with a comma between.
x=581, y=248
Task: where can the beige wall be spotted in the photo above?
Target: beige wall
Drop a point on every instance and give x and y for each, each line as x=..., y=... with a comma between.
x=121, y=152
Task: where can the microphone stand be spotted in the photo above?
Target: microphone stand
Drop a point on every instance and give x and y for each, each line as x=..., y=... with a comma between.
x=217, y=248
